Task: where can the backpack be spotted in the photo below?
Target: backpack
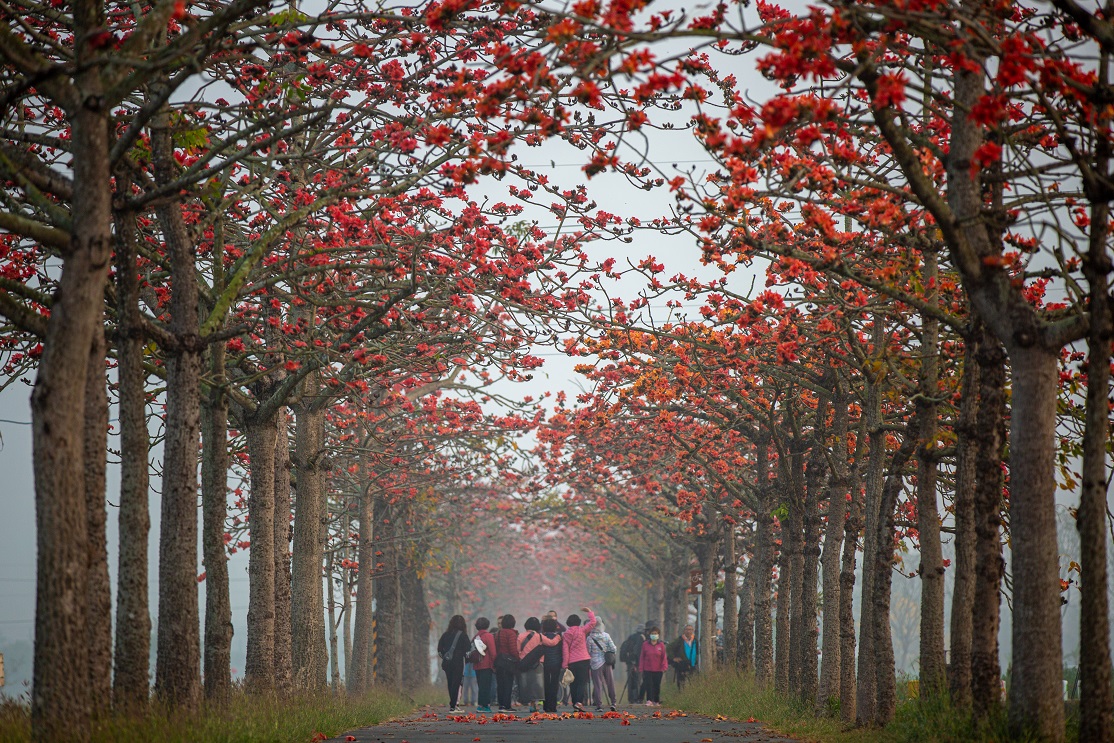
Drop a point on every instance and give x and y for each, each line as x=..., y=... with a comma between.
x=631, y=649
x=531, y=660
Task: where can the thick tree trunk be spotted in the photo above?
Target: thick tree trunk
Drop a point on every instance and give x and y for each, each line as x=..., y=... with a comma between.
x=831, y=665
x=388, y=608
x=282, y=535
x=706, y=554
x=990, y=432
x=963, y=592
x=810, y=561
x=744, y=635
x=933, y=665
x=848, y=686
x=98, y=625
x=730, y=598
x=1096, y=719
x=763, y=566
x=784, y=612
x=214, y=511
x=133, y=624
x=792, y=539
x=309, y=518
x=867, y=690
x=362, y=649
x=178, y=667
x=60, y=699
x=260, y=666
x=1036, y=704
x=884, y=677
x=415, y=636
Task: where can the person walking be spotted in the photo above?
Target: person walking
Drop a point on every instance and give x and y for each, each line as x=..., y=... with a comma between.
x=552, y=662
x=576, y=657
x=601, y=652
x=530, y=669
x=452, y=647
x=628, y=653
x=506, y=660
x=468, y=694
x=684, y=654
x=653, y=663
x=483, y=660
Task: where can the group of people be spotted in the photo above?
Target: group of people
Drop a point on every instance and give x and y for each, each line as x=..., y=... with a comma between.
x=548, y=655
x=536, y=661
x=648, y=658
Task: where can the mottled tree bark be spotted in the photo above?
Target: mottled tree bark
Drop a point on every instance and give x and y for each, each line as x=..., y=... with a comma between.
x=415, y=625
x=282, y=535
x=334, y=656
x=730, y=597
x=763, y=567
x=360, y=677
x=848, y=686
x=744, y=635
x=783, y=596
x=706, y=554
x=810, y=561
x=98, y=625
x=388, y=608
x=130, y=686
x=884, y=678
x=933, y=665
x=309, y=518
x=214, y=511
x=260, y=665
x=963, y=592
x=178, y=666
x=989, y=566
x=833, y=543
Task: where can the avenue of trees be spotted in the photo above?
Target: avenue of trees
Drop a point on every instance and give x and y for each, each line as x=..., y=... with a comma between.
x=264, y=235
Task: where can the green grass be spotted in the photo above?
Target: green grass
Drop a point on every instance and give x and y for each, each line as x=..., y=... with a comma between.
x=244, y=719
x=916, y=721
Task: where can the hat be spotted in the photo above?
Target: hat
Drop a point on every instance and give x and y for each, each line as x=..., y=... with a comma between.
x=640, y=628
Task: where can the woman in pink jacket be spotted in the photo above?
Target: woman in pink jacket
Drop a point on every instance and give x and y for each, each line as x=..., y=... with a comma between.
x=653, y=662
x=576, y=656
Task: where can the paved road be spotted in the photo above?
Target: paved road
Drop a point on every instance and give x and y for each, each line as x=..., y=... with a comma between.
x=434, y=725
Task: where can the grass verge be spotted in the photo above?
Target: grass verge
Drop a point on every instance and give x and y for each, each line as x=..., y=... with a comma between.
x=916, y=721
x=243, y=719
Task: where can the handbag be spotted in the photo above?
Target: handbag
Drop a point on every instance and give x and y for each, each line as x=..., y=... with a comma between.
x=447, y=657
x=567, y=677
x=608, y=655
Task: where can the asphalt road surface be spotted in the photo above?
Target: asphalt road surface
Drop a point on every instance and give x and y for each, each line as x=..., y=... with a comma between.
x=631, y=723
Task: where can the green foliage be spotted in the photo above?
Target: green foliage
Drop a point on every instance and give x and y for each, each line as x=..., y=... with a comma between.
x=245, y=719
x=917, y=721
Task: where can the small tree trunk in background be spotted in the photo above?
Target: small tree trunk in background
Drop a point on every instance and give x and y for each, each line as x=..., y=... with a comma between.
x=415, y=622
x=346, y=598
x=309, y=519
x=260, y=666
x=884, y=677
x=178, y=668
x=867, y=691
x=744, y=637
x=730, y=598
x=931, y=571
x=781, y=646
x=963, y=593
x=848, y=686
x=794, y=538
x=98, y=625
x=810, y=632
x=1096, y=720
x=763, y=566
x=833, y=542
x=130, y=688
x=990, y=433
x=283, y=659
x=214, y=512
x=360, y=677
x=334, y=660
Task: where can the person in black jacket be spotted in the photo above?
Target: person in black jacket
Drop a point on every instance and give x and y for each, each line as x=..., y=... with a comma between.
x=628, y=654
x=553, y=660
x=452, y=647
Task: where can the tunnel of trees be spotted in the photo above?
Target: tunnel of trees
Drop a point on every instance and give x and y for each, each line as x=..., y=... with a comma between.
x=299, y=253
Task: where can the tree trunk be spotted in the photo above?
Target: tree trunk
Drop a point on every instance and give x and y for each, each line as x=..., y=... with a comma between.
x=867, y=690
x=707, y=619
x=989, y=438
x=130, y=688
x=214, y=512
x=730, y=598
x=810, y=560
x=282, y=535
x=260, y=666
x=884, y=677
x=98, y=624
x=309, y=518
x=387, y=601
x=1036, y=704
x=415, y=621
x=828, y=691
x=933, y=680
x=362, y=648
x=1096, y=720
x=744, y=636
x=847, y=681
x=763, y=565
x=784, y=612
x=963, y=592
x=178, y=667
x=334, y=660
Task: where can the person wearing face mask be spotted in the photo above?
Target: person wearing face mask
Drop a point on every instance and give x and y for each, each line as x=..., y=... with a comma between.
x=653, y=663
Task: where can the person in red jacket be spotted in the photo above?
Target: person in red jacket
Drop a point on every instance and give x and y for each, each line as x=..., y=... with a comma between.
x=483, y=661
x=653, y=663
x=506, y=660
